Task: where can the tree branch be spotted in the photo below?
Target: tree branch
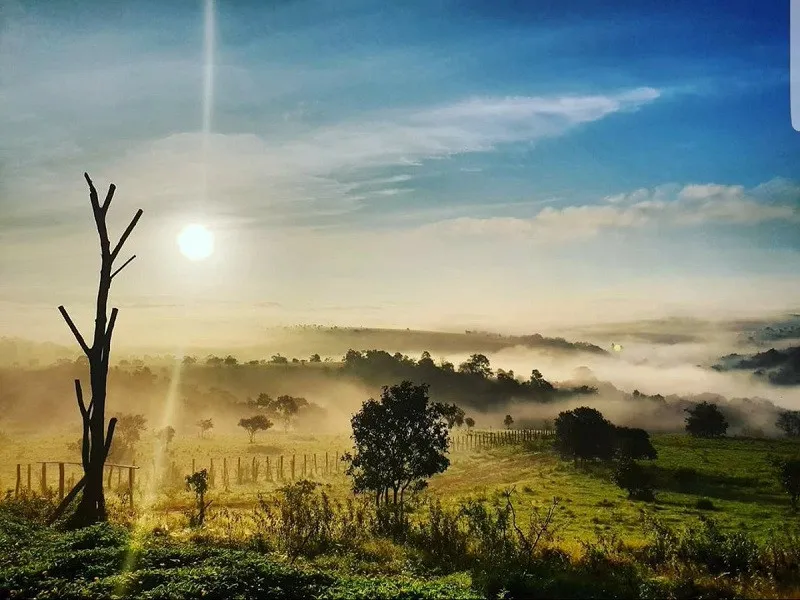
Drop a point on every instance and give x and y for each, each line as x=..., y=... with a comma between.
x=112, y=423
x=109, y=332
x=92, y=193
x=66, y=501
x=79, y=394
x=127, y=262
x=75, y=331
x=125, y=235
x=109, y=195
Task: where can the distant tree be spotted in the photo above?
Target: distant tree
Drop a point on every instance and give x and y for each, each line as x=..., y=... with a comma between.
x=426, y=362
x=508, y=421
x=452, y=414
x=538, y=382
x=263, y=402
x=189, y=360
x=477, y=364
x=314, y=358
x=631, y=477
x=230, y=361
x=705, y=420
x=789, y=422
x=205, y=425
x=583, y=433
x=165, y=436
x=469, y=422
x=790, y=480
x=277, y=359
x=634, y=443
x=447, y=366
x=287, y=407
x=213, y=361
x=400, y=441
x=131, y=427
x=255, y=424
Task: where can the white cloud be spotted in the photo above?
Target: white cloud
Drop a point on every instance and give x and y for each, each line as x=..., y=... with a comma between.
x=664, y=206
x=281, y=177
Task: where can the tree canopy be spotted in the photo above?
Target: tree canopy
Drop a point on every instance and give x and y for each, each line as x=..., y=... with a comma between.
x=705, y=420
x=583, y=433
x=255, y=424
x=400, y=441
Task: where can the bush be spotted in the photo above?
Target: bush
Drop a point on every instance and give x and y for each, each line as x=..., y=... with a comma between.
x=685, y=477
x=631, y=477
x=704, y=504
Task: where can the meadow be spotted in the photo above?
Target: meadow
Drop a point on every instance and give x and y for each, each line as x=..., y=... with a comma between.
x=734, y=474
x=598, y=543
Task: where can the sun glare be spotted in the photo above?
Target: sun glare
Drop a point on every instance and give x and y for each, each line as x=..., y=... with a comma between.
x=196, y=242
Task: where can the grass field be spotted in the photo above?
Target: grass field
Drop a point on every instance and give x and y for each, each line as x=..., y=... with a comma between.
x=734, y=474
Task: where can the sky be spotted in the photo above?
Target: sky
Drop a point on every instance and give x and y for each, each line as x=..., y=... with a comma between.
x=515, y=166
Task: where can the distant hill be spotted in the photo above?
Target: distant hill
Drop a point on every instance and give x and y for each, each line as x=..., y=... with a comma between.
x=780, y=367
x=303, y=340
x=17, y=351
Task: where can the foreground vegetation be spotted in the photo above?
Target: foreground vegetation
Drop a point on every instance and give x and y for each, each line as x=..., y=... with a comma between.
x=720, y=526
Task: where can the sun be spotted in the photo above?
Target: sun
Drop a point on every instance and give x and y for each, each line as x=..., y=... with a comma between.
x=196, y=242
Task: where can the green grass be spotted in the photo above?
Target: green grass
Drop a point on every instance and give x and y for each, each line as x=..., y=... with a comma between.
x=104, y=562
x=734, y=474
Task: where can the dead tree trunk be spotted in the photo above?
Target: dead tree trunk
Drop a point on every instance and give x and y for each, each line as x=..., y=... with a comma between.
x=96, y=438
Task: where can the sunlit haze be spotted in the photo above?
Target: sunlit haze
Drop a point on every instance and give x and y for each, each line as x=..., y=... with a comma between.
x=440, y=165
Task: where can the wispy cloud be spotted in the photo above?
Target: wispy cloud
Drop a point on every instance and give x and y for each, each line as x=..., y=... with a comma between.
x=668, y=206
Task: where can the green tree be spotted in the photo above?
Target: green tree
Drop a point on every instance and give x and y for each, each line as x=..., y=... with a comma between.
x=198, y=483
x=452, y=414
x=469, y=422
x=634, y=443
x=477, y=364
x=583, y=433
x=789, y=422
x=255, y=424
x=314, y=358
x=400, y=441
x=631, y=477
x=286, y=408
x=705, y=420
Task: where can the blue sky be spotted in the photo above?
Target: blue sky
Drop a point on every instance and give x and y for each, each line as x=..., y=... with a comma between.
x=438, y=163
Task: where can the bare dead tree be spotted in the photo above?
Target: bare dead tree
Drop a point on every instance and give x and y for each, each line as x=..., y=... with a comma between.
x=96, y=438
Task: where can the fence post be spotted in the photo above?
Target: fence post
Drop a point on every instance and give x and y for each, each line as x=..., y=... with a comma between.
x=305, y=464
x=211, y=472
x=29, y=476
x=255, y=470
x=60, y=481
x=131, y=480
x=326, y=463
x=110, y=473
x=269, y=470
x=193, y=469
x=225, y=472
x=336, y=458
x=292, y=467
x=44, y=478
x=239, y=471
x=19, y=480
x=315, y=464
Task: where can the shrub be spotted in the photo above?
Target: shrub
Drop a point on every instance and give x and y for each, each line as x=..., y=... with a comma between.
x=704, y=504
x=631, y=477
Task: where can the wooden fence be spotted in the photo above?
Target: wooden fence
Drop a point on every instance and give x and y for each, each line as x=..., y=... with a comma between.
x=276, y=468
x=109, y=468
x=293, y=467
